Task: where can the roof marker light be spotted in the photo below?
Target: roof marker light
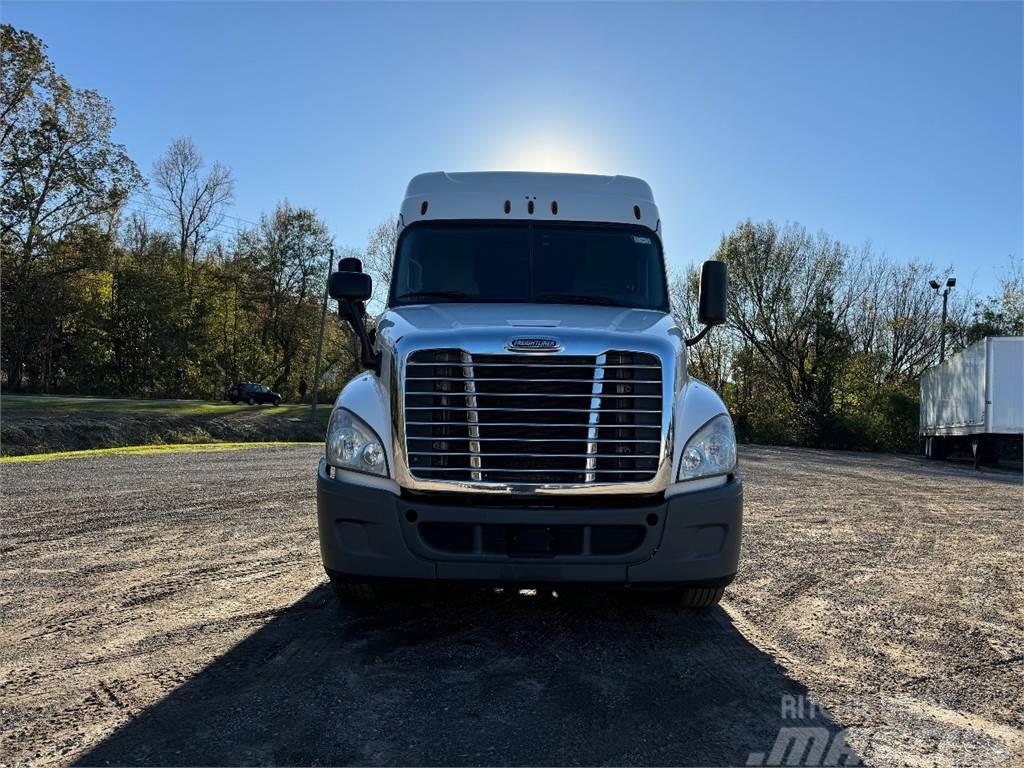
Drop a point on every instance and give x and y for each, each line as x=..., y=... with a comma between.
x=508, y=206
x=423, y=208
x=554, y=207
x=636, y=212
x=529, y=207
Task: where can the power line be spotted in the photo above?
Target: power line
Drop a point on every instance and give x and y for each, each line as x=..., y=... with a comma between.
x=219, y=228
x=161, y=213
x=156, y=199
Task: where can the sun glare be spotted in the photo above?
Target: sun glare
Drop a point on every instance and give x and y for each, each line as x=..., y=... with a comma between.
x=544, y=153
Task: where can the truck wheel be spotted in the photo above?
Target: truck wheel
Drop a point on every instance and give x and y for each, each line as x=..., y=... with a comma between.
x=699, y=597
x=276, y=401
x=250, y=401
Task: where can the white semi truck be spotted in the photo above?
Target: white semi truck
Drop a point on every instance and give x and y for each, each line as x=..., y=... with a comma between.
x=974, y=401
x=526, y=415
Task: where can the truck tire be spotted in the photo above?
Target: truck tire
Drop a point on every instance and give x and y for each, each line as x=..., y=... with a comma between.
x=276, y=401
x=699, y=597
x=250, y=401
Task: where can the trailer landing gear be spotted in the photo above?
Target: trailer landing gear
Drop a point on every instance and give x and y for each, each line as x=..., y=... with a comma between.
x=935, y=448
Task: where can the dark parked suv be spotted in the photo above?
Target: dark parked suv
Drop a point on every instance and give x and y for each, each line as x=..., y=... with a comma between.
x=250, y=393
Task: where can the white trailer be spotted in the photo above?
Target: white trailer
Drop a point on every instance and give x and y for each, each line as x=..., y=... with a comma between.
x=975, y=399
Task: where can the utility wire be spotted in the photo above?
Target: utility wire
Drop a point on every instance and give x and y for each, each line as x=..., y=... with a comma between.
x=163, y=201
x=220, y=228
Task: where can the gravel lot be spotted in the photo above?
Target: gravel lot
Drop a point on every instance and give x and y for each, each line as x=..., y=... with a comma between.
x=171, y=609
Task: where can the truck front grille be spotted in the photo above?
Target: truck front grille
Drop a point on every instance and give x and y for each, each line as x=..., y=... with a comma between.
x=522, y=420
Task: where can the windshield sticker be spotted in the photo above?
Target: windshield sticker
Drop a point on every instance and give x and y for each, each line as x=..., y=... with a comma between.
x=641, y=240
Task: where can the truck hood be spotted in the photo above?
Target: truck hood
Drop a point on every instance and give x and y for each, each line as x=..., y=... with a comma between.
x=521, y=318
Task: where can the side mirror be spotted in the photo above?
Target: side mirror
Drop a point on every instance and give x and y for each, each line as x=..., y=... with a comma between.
x=714, y=289
x=350, y=286
x=711, y=304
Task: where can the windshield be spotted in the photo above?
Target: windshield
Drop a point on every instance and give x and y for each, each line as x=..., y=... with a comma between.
x=527, y=263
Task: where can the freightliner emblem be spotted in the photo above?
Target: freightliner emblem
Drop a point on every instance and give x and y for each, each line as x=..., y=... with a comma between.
x=533, y=344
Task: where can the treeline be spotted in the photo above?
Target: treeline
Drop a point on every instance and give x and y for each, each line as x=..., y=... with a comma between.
x=825, y=343
x=117, y=284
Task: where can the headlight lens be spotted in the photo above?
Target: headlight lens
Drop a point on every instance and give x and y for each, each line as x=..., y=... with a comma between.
x=352, y=444
x=711, y=451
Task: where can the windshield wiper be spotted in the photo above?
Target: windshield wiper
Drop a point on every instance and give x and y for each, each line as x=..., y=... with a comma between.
x=576, y=298
x=458, y=295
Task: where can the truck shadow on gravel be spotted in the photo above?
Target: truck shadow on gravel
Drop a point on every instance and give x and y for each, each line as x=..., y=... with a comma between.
x=475, y=678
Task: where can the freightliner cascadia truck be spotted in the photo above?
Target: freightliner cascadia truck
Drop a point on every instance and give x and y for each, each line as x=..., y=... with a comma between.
x=525, y=416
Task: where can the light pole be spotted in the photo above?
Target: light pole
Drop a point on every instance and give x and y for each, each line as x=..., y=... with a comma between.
x=950, y=282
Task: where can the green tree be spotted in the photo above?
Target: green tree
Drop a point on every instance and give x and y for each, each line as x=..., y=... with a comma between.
x=287, y=257
x=709, y=360
x=789, y=296
x=1002, y=314
x=193, y=199
x=379, y=258
x=146, y=296
x=63, y=179
x=26, y=71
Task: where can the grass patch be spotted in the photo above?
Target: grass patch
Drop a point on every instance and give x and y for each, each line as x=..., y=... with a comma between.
x=48, y=405
x=146, y=449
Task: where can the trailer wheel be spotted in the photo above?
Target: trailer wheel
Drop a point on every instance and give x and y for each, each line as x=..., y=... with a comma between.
x=698, y=597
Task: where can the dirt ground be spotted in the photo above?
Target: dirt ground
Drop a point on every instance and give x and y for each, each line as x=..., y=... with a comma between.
x=171, y=609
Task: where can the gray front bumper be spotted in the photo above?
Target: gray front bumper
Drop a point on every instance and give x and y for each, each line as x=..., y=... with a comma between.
x=688, y=539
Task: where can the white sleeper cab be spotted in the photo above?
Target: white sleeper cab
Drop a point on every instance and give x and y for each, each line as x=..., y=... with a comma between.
x=525, y=416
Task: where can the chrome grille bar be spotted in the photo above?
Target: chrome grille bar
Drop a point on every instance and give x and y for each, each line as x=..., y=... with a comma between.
x=597, y=383
x=594, y=419
x=522, y=410
x=519, y=381
x=555, y=471
x=549, y=362
x=515, y=424
x=540, y=439
x=545, y=455
x=473, y=417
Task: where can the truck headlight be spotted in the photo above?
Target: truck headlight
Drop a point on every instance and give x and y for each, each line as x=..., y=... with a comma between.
x=711, y=451
x=352, y=444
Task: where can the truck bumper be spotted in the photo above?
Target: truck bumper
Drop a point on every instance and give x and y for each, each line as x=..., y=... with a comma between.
x=692, y=539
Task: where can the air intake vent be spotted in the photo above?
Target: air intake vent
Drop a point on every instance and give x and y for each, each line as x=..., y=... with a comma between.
x=520, y=420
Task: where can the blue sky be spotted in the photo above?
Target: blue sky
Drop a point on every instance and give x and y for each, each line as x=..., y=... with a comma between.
x=895, y=123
